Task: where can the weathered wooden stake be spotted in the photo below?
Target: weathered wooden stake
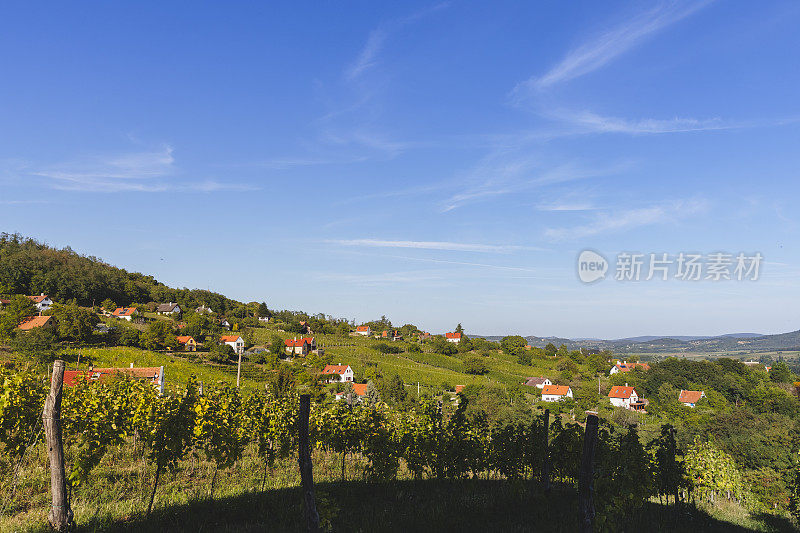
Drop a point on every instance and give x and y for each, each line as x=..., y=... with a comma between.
x=306, y=467
x=60, y=516
x=546, y=463
x=586, y=479
x=239, y=370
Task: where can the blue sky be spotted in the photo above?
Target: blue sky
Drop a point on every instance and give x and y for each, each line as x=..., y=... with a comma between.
x=434, y=162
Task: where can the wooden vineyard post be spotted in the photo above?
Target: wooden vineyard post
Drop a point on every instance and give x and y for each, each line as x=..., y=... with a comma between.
x=60, y=515
x=546, y=463
x=306, y=467
x=586, y=479
x=239, y=370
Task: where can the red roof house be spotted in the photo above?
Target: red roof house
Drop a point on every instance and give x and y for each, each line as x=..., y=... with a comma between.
x=32, y=322
x=125, y=313
x=453, y=337
x=338, y=372
x=690, y=397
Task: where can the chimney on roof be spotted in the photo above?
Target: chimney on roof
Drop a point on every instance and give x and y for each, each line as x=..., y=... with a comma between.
x=131, y=365
x=626, y=383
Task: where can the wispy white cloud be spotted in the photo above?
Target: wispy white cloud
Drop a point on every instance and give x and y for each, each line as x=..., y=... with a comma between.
x=620, y=220
x=368, y=56
x=602, y=49
x=23, y=202
x=565, y=206
x=432, y=245
x=505, y=173
x=465, y=263
x=589, y=122
x=141, y=171
x=383, y=278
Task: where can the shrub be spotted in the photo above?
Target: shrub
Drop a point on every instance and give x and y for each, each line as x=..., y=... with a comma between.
x=387, y=348
x=475, y=365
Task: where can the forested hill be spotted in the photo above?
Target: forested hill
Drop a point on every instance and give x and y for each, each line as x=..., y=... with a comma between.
x=30, y=267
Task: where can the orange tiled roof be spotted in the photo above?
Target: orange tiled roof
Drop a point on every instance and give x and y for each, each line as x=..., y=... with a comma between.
x=335, y=369
x=38, y=299
x=34, y=322
x=555, y=390
x=230, y=338
x=455, y=335
x=124, y=311
x=362, y=328
x=621, y=392
x=183, y=339
x=360, y=389
x=299, y=342
x=690, y=396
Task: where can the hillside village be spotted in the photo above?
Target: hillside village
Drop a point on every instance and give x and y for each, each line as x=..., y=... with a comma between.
x=160, y=328
x=113, y=329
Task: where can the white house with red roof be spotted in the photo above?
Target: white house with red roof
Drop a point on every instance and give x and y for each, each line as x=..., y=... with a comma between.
x=556, y=393
x=339, y=373
x=625, y=396
x=690, y=398
x=625, y=366
x=366, y=331
x=302, y=346
x=234, y=341
x=42, y=302
x=453, y=337
x=124, y=313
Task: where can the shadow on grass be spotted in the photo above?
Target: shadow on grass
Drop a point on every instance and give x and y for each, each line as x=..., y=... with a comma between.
x=429, y=505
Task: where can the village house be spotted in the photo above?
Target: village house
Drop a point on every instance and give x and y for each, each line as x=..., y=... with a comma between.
x=42, y=302
x=340, y=373
x=556, y=393
x=32, y=322
x=627, y=367
x=188, y=343
x=625, y=396
x=539, y=383
x=168, y=309
x=459, y=388
x=225, y=324
x=305, y=329
x=203, y=309
x=234, y=341
x=124, y=313
x=302, y=346
x=394, y=335
x=154, y=375
x=364, y=330
x=453, y=337
x=360, y=390
x=424, y=336
x=690, y=398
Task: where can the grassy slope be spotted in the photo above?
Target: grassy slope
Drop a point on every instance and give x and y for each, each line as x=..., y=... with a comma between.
x=116, y=496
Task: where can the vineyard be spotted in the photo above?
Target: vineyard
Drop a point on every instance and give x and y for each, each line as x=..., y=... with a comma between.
x=373, y=443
